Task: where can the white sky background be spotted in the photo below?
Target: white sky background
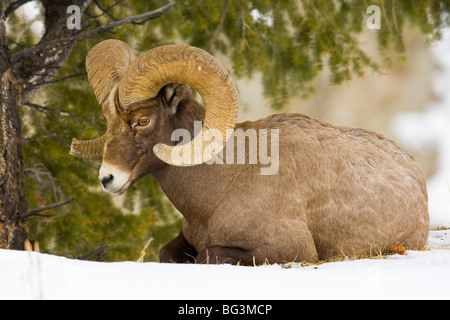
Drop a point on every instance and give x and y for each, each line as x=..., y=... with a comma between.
x=30, y=11
x=431, y=127
x=416, y=130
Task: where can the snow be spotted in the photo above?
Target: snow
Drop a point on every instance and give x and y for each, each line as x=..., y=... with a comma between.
x=416, y=275
x=31, y=13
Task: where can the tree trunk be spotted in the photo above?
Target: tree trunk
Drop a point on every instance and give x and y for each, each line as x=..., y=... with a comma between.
x=16, y=78
x=12, y=189
x=22, y=74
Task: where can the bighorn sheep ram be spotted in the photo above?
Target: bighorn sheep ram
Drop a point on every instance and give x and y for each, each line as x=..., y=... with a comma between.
x=337, y=190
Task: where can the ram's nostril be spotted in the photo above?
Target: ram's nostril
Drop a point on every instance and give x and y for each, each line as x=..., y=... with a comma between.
x=107, y=180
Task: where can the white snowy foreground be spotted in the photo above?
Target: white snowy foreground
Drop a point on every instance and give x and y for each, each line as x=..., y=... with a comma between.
x=417, y=275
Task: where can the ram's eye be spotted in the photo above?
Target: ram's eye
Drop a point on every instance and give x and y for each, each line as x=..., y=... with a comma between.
x=142, y=122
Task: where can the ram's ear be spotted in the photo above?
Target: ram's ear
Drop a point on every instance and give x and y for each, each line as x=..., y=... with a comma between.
x=172, y=94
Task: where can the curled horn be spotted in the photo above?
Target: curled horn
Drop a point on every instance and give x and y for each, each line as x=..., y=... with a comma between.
x=197, y=68
x=106, y=65
x=110, y=65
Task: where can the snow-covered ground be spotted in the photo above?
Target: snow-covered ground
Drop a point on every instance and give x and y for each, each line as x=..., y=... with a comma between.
x=416, y=275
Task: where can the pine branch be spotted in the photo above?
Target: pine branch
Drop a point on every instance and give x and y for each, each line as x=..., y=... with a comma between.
x=100, y=251
x=35, y=212
x=51, y=134
x=13, y=6
x=45, y=109
x=106, y=11
x=218, y=28
x=40, y=84
x=57, y=43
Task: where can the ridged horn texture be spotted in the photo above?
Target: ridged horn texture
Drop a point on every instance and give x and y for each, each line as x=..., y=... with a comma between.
x=106, y=64
x=197, y=68
x=110, y=64
x=88, y=149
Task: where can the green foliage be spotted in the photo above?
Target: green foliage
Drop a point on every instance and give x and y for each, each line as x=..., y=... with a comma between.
x=288, y=42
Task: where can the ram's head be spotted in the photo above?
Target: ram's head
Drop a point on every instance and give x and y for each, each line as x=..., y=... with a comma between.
x=136, y=94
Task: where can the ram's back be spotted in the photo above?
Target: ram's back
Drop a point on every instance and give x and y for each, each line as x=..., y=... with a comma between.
x=359, y=190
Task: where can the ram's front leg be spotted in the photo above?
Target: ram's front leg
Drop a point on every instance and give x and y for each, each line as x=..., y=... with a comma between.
x=219, y=255
x=178, y=251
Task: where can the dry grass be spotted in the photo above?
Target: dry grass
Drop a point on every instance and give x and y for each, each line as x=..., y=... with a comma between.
x=144, y=250
x=378, y=254
x=440, y=228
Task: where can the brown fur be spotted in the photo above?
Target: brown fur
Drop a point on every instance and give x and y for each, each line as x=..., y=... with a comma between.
x=338, y=190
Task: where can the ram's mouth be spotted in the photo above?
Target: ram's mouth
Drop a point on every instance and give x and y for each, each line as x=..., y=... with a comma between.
x=113, y=179
x=118, y=192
